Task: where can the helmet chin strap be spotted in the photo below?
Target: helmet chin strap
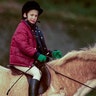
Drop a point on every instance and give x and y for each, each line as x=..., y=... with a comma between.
x=38, y=21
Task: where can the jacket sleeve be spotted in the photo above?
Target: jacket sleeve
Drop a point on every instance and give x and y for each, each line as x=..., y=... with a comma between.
x=21, y=39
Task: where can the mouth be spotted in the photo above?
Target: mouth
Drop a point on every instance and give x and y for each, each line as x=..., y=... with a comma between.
x=32, y=21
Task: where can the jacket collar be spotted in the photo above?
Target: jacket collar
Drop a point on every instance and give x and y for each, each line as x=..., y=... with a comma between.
x=31, y=26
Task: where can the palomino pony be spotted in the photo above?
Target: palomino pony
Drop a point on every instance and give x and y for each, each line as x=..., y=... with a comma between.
x=78, y=65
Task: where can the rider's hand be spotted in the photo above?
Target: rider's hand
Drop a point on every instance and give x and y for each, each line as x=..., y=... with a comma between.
x=56, y=54
x=42, y=58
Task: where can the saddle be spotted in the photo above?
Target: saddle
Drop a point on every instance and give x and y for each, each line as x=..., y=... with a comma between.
x=45, y=79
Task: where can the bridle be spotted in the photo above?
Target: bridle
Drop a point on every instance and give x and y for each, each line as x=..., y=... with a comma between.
x=17, y=80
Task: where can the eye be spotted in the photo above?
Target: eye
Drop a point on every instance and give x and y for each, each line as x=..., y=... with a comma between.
x=31, y=15
x=36, y=15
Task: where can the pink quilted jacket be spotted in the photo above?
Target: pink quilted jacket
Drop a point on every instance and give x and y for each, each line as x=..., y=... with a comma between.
x=23, y=46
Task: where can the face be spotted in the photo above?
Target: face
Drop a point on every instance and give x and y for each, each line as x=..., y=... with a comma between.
x=32, y=16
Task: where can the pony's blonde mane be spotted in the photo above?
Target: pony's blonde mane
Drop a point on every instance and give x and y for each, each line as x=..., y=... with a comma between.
x=85, y=53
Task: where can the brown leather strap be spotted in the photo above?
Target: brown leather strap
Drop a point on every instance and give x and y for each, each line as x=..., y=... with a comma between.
x=45, y=80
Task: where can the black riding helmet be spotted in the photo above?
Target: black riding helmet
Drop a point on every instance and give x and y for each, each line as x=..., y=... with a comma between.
x=29, y=5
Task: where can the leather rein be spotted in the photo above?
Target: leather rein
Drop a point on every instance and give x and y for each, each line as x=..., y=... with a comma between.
x=56, y=72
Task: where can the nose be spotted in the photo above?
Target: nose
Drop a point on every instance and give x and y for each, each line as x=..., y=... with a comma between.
x=33, y=17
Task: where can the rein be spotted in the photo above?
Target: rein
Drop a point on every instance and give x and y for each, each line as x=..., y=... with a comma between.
x=17, y=80
x=70, y=78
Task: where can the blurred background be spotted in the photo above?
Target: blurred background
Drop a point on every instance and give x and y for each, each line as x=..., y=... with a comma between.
x=67, y=24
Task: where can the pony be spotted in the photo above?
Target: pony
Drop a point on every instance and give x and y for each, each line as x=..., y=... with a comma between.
x=72, y=75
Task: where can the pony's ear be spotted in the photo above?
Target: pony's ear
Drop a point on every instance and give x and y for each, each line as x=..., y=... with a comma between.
x=24, y=15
